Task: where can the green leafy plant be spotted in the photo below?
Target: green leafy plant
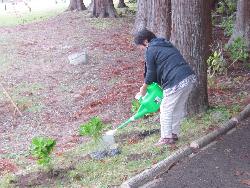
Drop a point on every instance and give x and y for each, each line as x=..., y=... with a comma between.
x=41, y=149
x=216, y=63
x=228, y=24
x=227, y=7
x=238, y=50
x=92, y=128
x=214, y=18
x=135, y=106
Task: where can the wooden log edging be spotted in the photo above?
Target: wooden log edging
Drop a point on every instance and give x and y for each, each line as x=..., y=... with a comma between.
x=163, y=166
x=157, y=169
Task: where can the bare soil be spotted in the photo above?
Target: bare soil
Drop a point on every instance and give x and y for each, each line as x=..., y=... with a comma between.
x=36, y=56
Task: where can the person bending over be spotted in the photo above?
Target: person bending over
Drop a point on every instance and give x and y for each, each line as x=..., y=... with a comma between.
x=166, y=66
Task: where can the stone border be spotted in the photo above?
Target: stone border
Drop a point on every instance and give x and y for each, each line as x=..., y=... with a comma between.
x=163, y=166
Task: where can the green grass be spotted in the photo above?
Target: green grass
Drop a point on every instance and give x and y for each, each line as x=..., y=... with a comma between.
x=4, y=60
x=101, y=23
x=25, y=96
x=132, y=7
x=193, y=128
x=28, y=17
x=134, y=157
x=114, y=170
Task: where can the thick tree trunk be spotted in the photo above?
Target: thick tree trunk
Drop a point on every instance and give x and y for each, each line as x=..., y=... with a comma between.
x=155, y=16
x=91, y=6
x=192, y=35
x=76, y=5
x=122, y=4
x=242, y=25
x=104, y=8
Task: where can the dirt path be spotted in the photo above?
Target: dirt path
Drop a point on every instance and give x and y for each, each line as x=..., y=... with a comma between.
x=56, y=97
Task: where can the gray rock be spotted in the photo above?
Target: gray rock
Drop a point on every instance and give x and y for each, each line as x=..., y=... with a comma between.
x=99, y=155
x=78, y=58
x=114, y=151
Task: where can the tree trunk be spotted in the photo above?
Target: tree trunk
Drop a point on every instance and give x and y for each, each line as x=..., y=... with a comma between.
x=192, y=35
x=104, y=8
x=242, y=25
x=122, y=4
x=91, y=6
x=76, y=5
x=155, y=16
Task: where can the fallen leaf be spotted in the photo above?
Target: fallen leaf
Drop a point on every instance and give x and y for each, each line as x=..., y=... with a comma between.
x=238, y=173
x=246, y=182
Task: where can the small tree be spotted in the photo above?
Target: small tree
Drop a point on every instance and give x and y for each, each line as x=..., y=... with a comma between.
x=41, y=149
x=92, y=128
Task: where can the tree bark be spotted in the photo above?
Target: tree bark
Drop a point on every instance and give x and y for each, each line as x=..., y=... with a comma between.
x=122, y=4
x=192, y=35
x=76, y=5
x=242, y=25
x=155, y=16
x=104, y=8
x=91, y=6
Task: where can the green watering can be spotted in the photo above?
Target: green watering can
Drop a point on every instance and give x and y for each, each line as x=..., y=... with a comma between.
x=148, y=104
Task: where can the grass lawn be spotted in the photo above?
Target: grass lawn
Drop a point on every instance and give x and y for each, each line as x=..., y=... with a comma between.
x=137, y=153
x=19, y=14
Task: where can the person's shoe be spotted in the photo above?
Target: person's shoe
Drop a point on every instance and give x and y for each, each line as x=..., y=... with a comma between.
x=165, y=141
x=175, y=137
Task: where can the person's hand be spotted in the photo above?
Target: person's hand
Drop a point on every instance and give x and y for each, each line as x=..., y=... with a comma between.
x=138, y=96
x=143, y=89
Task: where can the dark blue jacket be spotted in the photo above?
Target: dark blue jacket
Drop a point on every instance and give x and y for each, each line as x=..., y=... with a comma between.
x=164, y=64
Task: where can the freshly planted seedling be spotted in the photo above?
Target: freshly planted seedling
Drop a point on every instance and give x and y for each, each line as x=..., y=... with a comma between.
x=135, y=106
x=92, y=128
x=41, y=149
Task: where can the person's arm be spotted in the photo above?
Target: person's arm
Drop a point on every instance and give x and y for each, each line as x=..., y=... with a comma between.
x=151, y=75
x=143, y=89
x=150, y=72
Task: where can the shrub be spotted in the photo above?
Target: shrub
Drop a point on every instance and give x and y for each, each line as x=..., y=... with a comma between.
x=227, y=7
x=92, y=128
x=228, y=24
x=238, y=50
x=41, y=149
x=216, y=63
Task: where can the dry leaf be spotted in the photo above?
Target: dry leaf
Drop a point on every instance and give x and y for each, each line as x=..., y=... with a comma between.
x=246, y=182
x=238, y=173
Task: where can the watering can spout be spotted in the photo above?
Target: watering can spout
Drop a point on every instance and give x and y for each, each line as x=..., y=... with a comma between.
x=125, y=123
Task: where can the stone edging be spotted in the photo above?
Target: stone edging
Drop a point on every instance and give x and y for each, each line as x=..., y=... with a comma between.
x=163, y=166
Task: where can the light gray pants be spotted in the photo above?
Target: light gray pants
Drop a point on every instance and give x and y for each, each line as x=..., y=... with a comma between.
x=173, y=110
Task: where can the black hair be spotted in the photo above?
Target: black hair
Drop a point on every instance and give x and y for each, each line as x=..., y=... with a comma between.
x=143, y=35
